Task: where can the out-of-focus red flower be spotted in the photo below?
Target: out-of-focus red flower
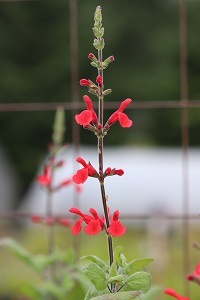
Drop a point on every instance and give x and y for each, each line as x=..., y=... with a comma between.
x=82, y=174
x=172, y=293
x=45, y=178
x=49, y=220
x=36, y=219
x=196, y=275
x=64, y=222
x=118, y=115
x=94, y=224
x=62, y=184
x=87, y=116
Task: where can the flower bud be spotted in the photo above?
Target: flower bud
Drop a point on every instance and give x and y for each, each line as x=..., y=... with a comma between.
x=107, y=92
x=84, y=82
x=99, y=80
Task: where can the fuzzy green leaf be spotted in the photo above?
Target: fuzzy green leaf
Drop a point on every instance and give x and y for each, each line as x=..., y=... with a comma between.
x=97, y=261
x=137, y=265
x=96, y=275
x=113, y=270
x=119, y=296
x=138, y=281
x=20, y=252
x=153, y=293
x=119, y=257
x=92, y=293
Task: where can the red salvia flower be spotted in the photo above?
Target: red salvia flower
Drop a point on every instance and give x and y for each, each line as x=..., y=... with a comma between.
x=82, y=175
x=45, y=178
x=94, y=224
x=110, y=172
x=172, y=293
x=196, y=275
x=116, y=228
x=87, y=116
x=36, y=219
x=118, y=115
x=62, y=184
x=64, y=222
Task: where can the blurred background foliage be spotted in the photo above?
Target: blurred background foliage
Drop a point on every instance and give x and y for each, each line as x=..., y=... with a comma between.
x=35, y=67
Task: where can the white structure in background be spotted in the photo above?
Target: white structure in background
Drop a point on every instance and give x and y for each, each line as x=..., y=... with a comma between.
x=8, y=183
x=152, y=181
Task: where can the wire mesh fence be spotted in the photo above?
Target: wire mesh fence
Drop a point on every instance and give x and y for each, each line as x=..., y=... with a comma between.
x=184, y=104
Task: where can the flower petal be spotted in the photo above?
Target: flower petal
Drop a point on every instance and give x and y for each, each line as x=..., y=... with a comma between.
x=80, y=176
x=76, y=228
x=116, y=228
x=93, y=227
x=124, y=104
x=124, y=121
x=84, y=118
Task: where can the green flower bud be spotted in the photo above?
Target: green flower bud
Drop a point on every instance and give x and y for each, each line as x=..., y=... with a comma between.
x=107, y=92
x=94, y=64
x=98, y=14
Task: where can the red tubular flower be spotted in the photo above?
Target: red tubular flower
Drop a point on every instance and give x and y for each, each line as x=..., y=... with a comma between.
x=45, y=178
x=99, y=80
x=196, y=275
x=36, y=219
x=62, y=184
x=87, y=116
x=172, y=293
x=110, y=172
x=116, y=228
x=64, y=222
x=82, y=174
x=85, y=82
x=94, y=223
x=118, y=115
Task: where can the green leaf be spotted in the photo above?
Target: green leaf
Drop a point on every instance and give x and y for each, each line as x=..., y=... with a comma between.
x=138, y=281
x=119, y=257
x=29, y=291
x=19, y=252
x=113, y=270
x=119, y=296
x=96, y=275
x=50, y=288
x=92, y=292
x=97, y=261
x=137, y=265
x=153, y=293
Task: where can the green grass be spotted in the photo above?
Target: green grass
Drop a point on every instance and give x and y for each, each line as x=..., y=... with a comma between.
x=166, y=248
